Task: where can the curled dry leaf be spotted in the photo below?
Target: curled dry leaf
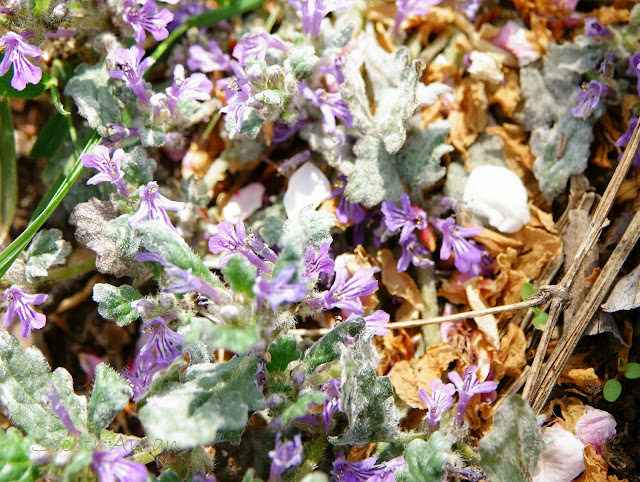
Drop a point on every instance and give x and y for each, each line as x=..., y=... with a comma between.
x=487, y=324
x=470, y=117
x=625, y=294
x=581, y=373
x=511, y=357
x=596, y=467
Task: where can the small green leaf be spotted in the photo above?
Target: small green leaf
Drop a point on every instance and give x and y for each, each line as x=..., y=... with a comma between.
x=540, y=319
x=8, y=169
x=632, y=370
x=425, y=460
x=115, y=302
x=51, y=137
x=240, y=274
x=509, y=453
x=282, y=353
x=235, y=340
x=14, y=457
x=612, y=390
x=526, y=290
x=46, y=250
x=326, y=348
x=300, y=407
x=110, y=395
x=137, y=167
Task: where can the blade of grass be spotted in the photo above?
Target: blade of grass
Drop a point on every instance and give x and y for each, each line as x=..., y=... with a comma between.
x=8, y=170
x=11, y=253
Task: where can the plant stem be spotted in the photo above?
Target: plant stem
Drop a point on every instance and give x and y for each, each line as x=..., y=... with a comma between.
x=77, y=269
x=314, y=451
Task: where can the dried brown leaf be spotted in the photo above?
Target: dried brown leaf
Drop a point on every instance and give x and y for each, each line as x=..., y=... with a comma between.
x=511, y=357
x=595, y=467
x=399, y=284
x=578, y=372
x=404, y=381
x=487, y=324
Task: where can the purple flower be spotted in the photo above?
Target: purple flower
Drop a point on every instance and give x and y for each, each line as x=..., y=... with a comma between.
x=19, y=303
x=407, y=218
x=110, y=465
x=387, y=470
x=333, y=74
x=255, y=46
x=120, y=132
x=626, y=137
x=231, y=240
x=467, y=388
x=16, y=50
x=345, y=294
x=470, y=8
x=186, y=282
x=147, y=18
x=132, y=70
x=195, y=87
x=589, y=98
x=346, y=210
x=634, y=69
x=282, y=131
x=284, y=456
x=331, y=388
x=162, y=341
x=238, y=95
x=412, y=7
x=375, y=322
x=141, y=373
x=440, y=400
x=467, y=254
x=413, y=251
x=110, y=168
x=313, y=11
x=593, y=28
x=279, y=289
x=354, y=471
x=330, y=104
x=154, y=206
x=211, y=61
x=51, y=397
x=316, y=264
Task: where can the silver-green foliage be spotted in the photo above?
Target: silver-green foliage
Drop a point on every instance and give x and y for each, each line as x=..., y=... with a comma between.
x=25, y=375
x=15, y=464
x=426, y=460
x=46, y=249
x=96, y=95
x=115, y=302
x=209, y=398
x=509, y=453
x=110, y=395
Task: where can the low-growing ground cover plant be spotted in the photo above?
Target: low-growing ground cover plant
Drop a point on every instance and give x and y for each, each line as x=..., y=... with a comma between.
x=240, y=237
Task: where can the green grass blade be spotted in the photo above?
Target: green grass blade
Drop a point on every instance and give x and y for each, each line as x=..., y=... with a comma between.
x=11, y=253
x=8, y=170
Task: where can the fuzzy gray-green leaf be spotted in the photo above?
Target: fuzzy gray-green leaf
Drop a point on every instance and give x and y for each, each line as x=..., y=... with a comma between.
x=509, y=453
x=15, y=464
x=46, y=249
x=115, y=302
x=110, y=395
x=95, y=93
x=211, y=397
x=425, y=460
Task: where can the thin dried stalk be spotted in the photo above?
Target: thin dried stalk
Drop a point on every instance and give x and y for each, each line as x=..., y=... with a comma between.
x=535, y=300
x=561, y=292
x=567, y=344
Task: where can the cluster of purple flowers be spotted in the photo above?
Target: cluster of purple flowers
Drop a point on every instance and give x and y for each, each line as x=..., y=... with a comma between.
x=160, y=346
x=232, y=240
x=365, y=470
x=589, y=98
x=312, y=12
x=441, y=398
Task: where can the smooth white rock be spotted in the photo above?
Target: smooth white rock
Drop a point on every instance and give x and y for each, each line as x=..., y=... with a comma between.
x=498, y=194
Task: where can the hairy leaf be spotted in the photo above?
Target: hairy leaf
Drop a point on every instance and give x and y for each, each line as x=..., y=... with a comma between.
x=46, y=249
x=25, y=374
x=425, y=460
x=115, y=302
x=308, y=228
x=211, y=397
x=15, y=464
x=326, y=348
x=240, y=274
x=510, y=451
x=300, y=407
x=110, y=395
x=96, y=95
x=137, y=167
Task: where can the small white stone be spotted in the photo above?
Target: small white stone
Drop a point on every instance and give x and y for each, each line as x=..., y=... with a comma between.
x=308, y=186
x=498, y=194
